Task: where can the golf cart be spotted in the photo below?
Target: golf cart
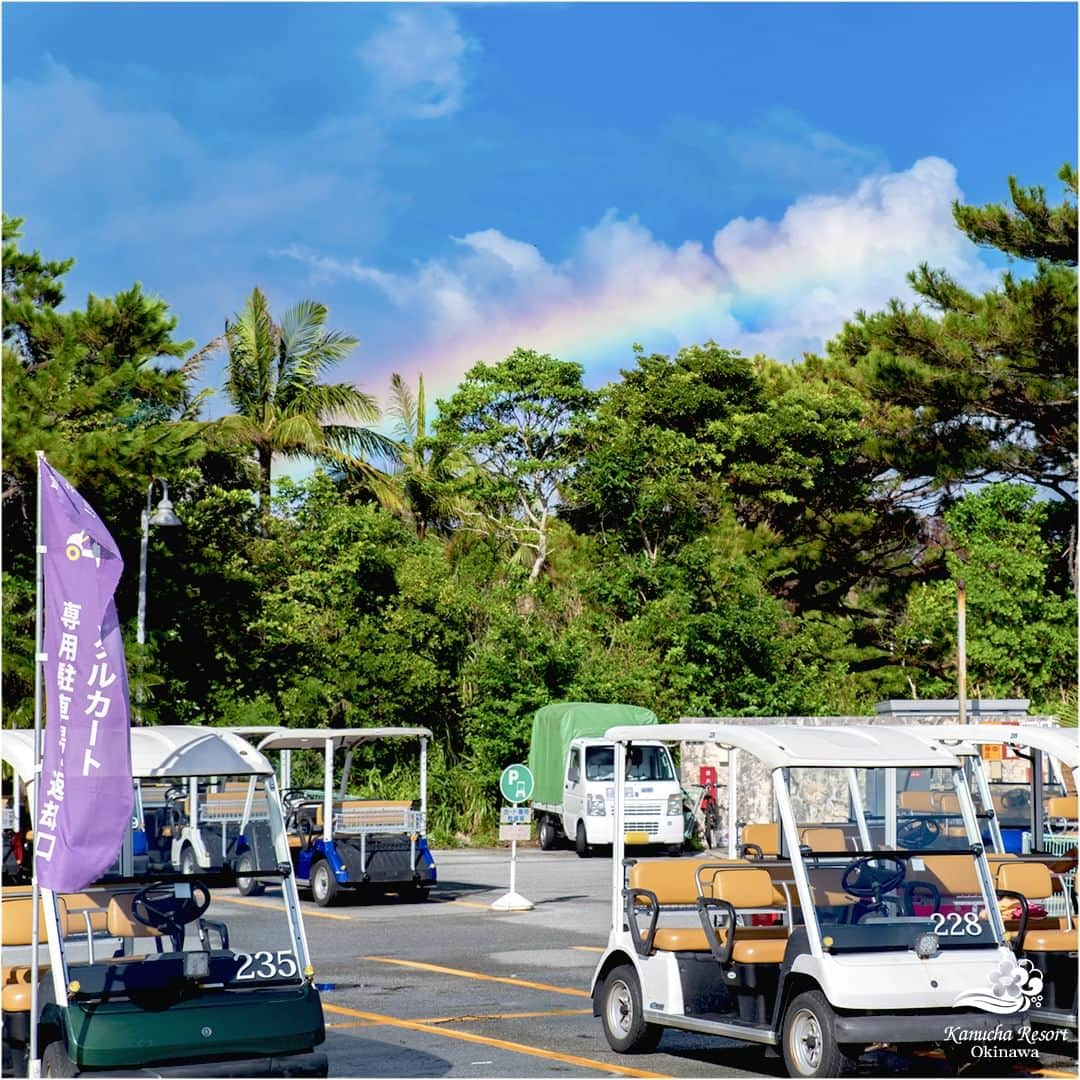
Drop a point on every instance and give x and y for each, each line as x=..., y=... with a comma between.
x=789, y=950
x=156, y=972
x=1040, y=885
x=347, y=842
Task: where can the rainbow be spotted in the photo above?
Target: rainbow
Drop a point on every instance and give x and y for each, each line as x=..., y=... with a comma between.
x=596, y=330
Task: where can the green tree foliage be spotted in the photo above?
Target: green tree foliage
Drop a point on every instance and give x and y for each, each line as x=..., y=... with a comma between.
x=647, y=477
x=280, y=404
x=426, y=481
x=967, y=386
x=515, y=419
x=1021, y=635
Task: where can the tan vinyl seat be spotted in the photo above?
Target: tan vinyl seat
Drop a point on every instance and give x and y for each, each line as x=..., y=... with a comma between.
x=824, y=839
x=18, y=907
x=1062, y=806
x=675, y=883
x=122, y=923
x=764, y=834
x=1033, y=881
x=917, y=801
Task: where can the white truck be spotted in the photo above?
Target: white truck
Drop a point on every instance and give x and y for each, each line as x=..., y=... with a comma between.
x=573, y=766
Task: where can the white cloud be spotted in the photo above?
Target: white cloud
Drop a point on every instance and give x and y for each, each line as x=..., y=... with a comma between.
x=775, y=286
x=417, y=62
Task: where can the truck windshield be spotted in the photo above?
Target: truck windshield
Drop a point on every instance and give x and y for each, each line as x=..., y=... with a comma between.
x=642, y=763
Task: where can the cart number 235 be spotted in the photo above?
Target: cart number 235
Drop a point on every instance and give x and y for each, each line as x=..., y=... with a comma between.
x=266, y=965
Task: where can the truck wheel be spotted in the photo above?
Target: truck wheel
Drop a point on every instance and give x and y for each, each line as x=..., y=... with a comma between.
x=546, y=833
x=622, y=1015
x=248, y=886
x=581, y=842
x=809, y=1038
x=324, y=886
x=188, y=863
x=55, y=1061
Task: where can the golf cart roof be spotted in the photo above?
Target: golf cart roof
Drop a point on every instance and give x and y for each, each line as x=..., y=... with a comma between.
x=781, y=746
x=169, y=751
x=315, y=738
x=1057, y=742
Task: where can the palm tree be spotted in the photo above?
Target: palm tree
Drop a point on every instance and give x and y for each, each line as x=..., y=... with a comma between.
x=280, y=406
x=423, y=487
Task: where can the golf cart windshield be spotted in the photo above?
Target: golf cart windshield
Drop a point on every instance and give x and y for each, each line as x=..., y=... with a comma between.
x=647, y=763
x=888, y=857
x=168, y=929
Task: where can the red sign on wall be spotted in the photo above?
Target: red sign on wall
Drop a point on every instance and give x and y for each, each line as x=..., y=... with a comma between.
x=707, y=775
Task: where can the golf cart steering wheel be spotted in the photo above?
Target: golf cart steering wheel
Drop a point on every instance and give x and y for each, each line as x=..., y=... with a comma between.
x=917, y=832
x=869, y=878
x=167, y=912
x=1016, y=798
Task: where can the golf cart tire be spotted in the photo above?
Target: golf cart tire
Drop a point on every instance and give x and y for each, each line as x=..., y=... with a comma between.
x=415, y=894
x=809, y=1041
x=248, y=886
x=581, y=841
x=188, y=863
x=623, y=1016
x=55, y=1061
x=546, y=833
x=324, y=885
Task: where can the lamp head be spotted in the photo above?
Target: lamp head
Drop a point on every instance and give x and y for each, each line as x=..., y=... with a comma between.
x=164, y=515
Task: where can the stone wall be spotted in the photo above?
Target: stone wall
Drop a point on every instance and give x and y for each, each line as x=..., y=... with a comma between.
x=825, y=790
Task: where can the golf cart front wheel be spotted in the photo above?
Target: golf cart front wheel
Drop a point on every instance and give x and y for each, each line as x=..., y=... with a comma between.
x=809, y=1038
x=622, y=1016
x=248, y=886
x=55, y=1061
x=324, y=886
x=188, y=863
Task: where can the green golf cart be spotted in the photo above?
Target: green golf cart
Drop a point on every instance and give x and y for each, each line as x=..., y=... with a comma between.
x=154, y=972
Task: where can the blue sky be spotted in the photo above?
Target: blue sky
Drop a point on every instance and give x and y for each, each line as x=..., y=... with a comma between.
x=457, y=180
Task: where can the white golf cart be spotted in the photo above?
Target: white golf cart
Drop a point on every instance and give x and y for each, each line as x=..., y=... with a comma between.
x=789, y=950
x=1044, y=929
x=348, y=842
x=154, y=972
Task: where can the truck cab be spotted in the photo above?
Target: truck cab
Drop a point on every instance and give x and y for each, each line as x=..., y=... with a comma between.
x=652, y=792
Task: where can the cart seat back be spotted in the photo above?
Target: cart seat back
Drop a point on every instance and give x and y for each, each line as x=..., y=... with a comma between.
x=18, y=930
x=765, y=834
x=824, y=839
x=1062, y=806
x=121, y=921
x=1030, y=879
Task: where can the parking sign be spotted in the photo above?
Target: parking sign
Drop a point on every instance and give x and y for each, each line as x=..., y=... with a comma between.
x=516, y=783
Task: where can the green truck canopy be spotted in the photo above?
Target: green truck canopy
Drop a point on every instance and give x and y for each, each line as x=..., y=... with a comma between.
x=556, y=726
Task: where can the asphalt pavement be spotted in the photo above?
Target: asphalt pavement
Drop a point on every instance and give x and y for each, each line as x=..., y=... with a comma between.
x=450, y=987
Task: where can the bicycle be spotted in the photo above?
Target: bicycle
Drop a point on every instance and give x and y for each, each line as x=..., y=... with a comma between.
x=709, y=808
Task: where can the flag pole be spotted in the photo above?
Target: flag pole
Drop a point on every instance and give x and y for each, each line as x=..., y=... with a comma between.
x=34, y=1065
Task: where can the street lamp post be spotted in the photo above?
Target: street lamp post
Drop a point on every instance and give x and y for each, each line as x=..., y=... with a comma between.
x=163, y=515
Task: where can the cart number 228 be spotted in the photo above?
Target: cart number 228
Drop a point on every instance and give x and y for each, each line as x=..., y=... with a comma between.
x=957, y=926
x=267, y=965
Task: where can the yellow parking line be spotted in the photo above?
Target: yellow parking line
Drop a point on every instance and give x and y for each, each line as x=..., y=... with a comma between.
x=588, y=948
x=573, y=992
x=501, y=1044
x=466, y=903
x=468, y=1018
x=308, y=913
x=1051, y=1072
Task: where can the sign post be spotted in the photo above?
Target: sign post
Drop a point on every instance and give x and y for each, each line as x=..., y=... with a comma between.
x=516, y=786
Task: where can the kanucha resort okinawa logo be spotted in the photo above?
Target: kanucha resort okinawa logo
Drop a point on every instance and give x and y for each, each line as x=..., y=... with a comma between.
x=1014, y=986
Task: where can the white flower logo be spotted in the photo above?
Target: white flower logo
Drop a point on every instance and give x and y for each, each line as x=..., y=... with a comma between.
x=1016, y=986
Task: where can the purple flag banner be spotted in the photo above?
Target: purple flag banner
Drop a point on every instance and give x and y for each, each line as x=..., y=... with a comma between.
x=85, y=794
